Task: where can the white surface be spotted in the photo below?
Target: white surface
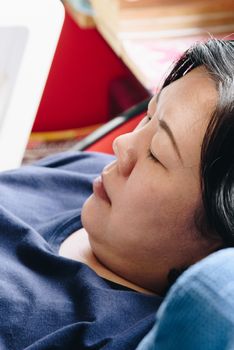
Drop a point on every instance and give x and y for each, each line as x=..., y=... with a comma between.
x=29, y=31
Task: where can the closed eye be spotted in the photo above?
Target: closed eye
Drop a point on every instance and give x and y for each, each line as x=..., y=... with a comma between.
x=152, y=156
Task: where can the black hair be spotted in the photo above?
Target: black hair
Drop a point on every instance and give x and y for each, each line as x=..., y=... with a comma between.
x=216, y=217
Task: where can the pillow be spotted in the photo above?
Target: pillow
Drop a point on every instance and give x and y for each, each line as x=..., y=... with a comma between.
x=198, y=311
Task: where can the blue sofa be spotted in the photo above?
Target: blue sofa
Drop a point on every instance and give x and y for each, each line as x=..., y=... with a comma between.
x=198, y=311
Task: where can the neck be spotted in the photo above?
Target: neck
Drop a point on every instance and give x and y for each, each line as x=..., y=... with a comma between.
x=77, y=247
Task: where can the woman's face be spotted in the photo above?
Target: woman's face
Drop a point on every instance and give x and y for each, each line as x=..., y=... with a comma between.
x=146, y=226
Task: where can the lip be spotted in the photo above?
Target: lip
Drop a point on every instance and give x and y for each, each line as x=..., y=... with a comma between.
x=99, y=189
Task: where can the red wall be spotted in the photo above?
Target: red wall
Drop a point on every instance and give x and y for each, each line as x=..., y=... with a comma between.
x=83, y=73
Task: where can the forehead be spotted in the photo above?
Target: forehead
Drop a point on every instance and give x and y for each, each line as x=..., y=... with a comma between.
x=195, y=86
x=187, y=105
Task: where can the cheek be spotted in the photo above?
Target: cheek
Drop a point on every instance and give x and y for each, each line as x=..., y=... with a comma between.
x=140, y=207
x=169, y=202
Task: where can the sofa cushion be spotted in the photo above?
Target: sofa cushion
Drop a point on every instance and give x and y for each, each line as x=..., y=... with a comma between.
x=198, y=311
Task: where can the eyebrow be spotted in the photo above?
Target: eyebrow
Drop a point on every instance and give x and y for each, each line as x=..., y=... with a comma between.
x=167, y=129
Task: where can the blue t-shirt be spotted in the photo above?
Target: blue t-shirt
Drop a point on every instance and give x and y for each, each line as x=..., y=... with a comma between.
x=48, y=301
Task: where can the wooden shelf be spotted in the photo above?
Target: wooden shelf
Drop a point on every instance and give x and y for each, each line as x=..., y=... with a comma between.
x=83, y=20
x=149, y=52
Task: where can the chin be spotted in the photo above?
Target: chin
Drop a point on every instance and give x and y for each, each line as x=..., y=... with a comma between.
x=91, y=216
x=85, y=212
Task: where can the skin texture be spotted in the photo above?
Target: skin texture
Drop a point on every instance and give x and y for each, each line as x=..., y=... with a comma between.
x=147, y=226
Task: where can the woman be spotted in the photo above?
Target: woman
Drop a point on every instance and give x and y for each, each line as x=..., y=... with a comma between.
x=156, y=209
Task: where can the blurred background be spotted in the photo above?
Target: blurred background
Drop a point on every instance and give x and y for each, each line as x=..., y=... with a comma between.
x=113, y=54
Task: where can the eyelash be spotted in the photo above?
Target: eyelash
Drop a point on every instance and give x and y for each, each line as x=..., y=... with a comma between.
x=152, y=157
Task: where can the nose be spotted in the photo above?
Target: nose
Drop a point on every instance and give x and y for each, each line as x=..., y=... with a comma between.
x=124, y=147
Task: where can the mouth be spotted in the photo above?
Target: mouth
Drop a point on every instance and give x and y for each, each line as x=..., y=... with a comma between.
x=99, y=189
